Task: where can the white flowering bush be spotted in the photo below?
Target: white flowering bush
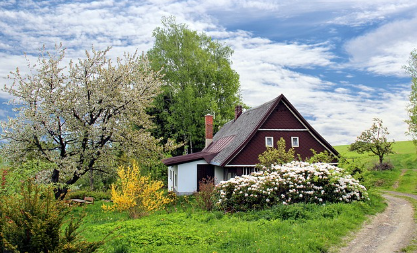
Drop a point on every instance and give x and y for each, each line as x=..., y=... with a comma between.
x=289, y=183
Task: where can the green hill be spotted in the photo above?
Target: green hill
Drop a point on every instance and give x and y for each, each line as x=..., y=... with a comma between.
x=404, y=157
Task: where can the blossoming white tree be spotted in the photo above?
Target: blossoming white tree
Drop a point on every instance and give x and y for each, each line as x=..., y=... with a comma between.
x=80, y=116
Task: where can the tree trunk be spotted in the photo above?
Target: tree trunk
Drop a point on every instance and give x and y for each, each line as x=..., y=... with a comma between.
x=91, y=180
x=381, y=158
x=60, y=192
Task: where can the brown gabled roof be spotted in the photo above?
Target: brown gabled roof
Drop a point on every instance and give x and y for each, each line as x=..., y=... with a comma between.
x=207, y=156
x=236, y=134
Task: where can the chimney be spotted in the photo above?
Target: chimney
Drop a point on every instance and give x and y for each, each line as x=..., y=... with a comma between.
x=238, y=111
x=209, y=129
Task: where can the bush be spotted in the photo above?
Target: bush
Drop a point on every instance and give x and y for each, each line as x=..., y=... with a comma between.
x=290, y=183
x=82, y=194
x=204, y=197
x=135, y=193
x=276, y=155
x=382, y=166
x=32, y=221
x=357, y=169
x=322, y=157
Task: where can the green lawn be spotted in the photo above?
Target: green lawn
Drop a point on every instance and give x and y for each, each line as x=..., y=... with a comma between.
x=294, y=228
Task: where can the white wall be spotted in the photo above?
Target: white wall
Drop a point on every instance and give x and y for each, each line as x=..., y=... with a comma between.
x=218, y=174
x=187, y=177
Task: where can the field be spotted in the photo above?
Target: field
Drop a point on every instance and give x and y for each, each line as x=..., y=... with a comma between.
x=296, y=228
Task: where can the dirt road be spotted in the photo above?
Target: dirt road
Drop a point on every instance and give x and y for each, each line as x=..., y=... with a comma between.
x=387, y=232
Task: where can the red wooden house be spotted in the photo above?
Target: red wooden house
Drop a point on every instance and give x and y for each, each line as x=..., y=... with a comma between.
x=234, y=150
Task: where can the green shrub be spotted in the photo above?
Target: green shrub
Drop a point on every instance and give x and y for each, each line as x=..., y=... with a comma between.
x=31, y=222
x=82, y=194
x=322, y=157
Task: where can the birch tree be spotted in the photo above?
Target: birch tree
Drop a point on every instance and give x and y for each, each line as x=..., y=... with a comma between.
x=411, y=68
x=199, y=80
x=79, y=117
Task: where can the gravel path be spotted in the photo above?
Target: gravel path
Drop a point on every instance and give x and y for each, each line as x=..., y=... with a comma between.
x=387, y=232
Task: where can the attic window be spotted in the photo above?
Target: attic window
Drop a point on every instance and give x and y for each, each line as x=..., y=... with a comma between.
x=269, y=142
x=295, y=142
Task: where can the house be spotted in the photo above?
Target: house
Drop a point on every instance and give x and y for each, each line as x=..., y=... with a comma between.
x=234, y=150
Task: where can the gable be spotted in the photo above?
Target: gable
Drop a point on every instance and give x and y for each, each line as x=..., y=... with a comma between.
x=282, y=118
x=249, y=154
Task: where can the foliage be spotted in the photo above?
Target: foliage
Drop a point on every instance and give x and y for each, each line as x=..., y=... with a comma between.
x=286, y=184
x=13, y=176
x=322, y=157
x=135, y=193
x=199, y=80
x=277, y=155
x=204, y=197
x=374, y=140
x=283, y=228
x=32, y=221
x=80, y=194
x=411, y=68
x=80, y=116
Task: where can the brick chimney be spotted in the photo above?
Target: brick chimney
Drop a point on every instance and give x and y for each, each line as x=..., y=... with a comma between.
x=209, y=129
x=238, y=111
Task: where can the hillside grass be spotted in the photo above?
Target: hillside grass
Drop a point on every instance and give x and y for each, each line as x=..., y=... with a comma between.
x=404, y=160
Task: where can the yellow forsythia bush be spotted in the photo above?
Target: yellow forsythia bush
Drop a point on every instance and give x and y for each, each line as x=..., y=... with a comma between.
x=135, y=193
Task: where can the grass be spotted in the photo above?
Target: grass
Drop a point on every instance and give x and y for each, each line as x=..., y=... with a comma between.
x=404, y=158
x=412, y=247
x=295, y=228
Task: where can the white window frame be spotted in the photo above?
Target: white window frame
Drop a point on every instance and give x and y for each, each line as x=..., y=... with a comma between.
x=272, y=142
x=292, y=142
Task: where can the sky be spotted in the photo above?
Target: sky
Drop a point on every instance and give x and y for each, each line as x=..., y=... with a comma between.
x=340, y=63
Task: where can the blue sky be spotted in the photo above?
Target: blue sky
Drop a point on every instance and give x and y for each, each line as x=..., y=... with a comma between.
x=338, y=62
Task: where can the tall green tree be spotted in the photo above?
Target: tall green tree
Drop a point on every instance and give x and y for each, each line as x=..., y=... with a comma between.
x=198, y=80
x=374, y=140
x=411, y=68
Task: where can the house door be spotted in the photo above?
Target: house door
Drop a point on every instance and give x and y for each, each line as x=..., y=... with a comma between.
x=204, y=171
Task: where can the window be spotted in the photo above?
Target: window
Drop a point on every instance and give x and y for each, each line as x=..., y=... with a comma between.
x=295, y=142
x=249, y=170
x=269, y=142
x=175, y=179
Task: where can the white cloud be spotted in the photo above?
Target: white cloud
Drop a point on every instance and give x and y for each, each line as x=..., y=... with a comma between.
x=386, y=49
x=267, y=68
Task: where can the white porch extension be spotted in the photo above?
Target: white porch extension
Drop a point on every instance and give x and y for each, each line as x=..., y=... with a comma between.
x=182, y=178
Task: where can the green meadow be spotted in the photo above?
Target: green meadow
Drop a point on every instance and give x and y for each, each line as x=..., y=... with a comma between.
x=182, y=227
x=403, y=177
